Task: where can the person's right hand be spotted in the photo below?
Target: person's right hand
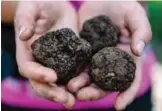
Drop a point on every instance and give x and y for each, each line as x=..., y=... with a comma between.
x=33, y=19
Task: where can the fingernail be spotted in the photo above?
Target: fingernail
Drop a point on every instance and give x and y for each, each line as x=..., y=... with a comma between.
x=59, y=101
x=52, y=84
x=56, y=99
x=22, y=29
x=140, y=47
x=51, y=78
x=68, y=107
x=120, y=108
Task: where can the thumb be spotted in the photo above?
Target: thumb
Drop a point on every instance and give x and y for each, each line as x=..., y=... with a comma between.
x=25, y=17
x=140, y=28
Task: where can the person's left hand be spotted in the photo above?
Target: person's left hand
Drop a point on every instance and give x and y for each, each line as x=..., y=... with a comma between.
x=131, y=19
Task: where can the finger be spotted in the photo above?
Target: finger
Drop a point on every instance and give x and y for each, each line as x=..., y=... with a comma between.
x=71, y=99
x=49, y=92
x=25, y=18
x=140, y=28
x=124, y=32
x=42, y=25
x=126, y=97
x=124, y=36
x=126, y=48
x=124, y=40
x=78, y=82
x=91, y=92
x=156, y=95
x=33, y=70
x=70, y=102
x=30, y=69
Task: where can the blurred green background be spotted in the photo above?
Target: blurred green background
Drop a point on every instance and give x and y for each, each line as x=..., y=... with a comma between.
x=155, y=16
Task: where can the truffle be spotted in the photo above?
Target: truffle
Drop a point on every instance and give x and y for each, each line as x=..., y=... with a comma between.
x=62, y=51
x=112, y=69
x=100, y=32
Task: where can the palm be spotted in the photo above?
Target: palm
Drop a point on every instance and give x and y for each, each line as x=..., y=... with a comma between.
x=123, y=15
x=41, y=17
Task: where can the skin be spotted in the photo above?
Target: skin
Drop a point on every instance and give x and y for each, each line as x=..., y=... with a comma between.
x=30, y=24
x=156, y=79
x=135, y=30
x=35, y=20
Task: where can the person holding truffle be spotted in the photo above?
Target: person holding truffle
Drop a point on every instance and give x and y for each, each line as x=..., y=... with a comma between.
x=42, y=17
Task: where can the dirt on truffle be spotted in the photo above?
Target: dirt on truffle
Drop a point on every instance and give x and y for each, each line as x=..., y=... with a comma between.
x=62, y=51
x=100, y=32
x=113, y=69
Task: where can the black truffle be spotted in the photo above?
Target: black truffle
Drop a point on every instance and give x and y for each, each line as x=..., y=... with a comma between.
x=100, y=32
x=62, y=51
x=112, y=69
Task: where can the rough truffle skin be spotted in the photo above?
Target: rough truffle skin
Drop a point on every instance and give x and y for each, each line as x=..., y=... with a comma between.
x=62, y=51
x=100, y=32
x=112, y=69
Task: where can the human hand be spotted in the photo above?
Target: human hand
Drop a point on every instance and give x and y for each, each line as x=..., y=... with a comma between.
x=131, y=19
x=32, y=20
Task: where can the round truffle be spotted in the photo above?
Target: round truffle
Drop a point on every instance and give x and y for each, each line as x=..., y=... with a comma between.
x=112, y=69
x=100, y=32
x=62, y=51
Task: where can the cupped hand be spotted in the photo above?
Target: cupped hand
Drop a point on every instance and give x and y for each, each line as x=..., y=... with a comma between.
x=32, y=20
x=131, y=19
